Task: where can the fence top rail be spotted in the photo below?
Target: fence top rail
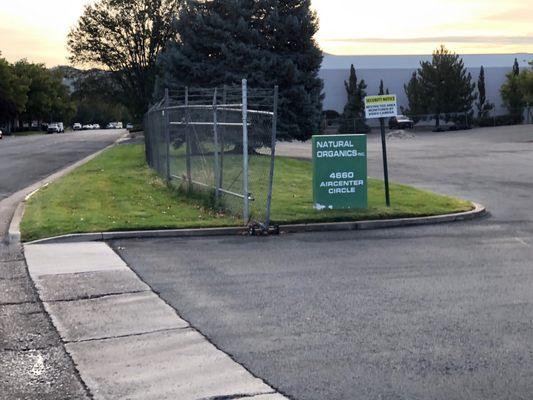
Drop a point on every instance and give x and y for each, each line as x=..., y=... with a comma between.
x=222, y=107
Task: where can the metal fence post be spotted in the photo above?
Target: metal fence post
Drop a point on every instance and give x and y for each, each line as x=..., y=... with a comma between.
x=188, y=141
x=215, y=137
x=272, y=154
x=246, y=194
x=166, y=127
x=222, y=131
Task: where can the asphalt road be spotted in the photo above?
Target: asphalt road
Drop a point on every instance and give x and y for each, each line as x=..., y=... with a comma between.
x=33, y=361
x=437, y=312
x=28, y=159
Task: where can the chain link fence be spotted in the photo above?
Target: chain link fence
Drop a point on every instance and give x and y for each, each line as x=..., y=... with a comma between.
x=220, y=142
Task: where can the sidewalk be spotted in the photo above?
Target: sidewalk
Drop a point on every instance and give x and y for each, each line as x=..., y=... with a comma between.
x=126, y=342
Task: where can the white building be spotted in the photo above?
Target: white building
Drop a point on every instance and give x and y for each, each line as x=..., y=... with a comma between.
x=397, y=70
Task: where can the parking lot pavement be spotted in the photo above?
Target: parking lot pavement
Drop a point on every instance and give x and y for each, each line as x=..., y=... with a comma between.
x=126, y=342
x=436, y=312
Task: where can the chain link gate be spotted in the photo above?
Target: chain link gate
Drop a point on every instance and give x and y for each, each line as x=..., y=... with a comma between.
x=219, y=141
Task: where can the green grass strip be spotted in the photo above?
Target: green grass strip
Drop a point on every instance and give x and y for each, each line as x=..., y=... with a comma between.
x=117, y=192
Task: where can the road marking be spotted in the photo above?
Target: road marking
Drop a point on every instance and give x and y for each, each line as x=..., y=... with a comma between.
x=522, y=242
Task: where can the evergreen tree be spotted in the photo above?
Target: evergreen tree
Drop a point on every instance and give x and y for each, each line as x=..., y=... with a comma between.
x=217, y=45
x=381, y=87
x=353, y=116
x=289, y=27
x=483, y=107
x=413, y=91
x=445, y=85
x=267, y=42
x=516, y=68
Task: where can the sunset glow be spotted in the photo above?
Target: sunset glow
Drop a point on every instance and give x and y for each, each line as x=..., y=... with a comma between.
x=37, y=29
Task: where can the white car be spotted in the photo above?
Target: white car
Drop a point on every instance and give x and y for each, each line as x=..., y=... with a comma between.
x=88, y=126
x=114, y=125
x=77, y=126
x=96, y=126
x=1, y=134
x=53, y=128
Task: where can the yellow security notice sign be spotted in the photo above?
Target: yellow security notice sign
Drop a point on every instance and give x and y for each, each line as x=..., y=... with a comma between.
x=381, y=106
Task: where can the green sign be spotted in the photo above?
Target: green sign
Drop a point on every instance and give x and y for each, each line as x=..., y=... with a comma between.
x=339, y=172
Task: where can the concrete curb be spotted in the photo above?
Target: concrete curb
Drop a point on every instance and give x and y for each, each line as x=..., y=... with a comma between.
x=13, y=234
x=478, y=212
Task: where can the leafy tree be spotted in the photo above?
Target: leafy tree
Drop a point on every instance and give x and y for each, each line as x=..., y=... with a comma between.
x=125, y=37
x=61, y=106
x=38, y=106
x=95, y=95
x=517, y=92
x=526, y=84
x=13, y=92
x=445, y=85
x=512, y=97
x=267, y=42
x=482, y=105
x=353, y=116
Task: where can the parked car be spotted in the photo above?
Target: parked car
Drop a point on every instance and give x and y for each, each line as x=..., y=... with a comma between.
x=61, y=127
x=114, y=125
x=96, y=126
x=129, y=126
x=401, y=122
x=53, y=128
x=88, y=126
x=77, y=126
x=1, y=134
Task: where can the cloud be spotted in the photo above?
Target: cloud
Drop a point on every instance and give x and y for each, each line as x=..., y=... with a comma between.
x=516, y=15
x=501, y=40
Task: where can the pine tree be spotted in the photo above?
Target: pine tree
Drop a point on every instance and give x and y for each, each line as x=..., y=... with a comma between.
x=381, y=87
x=413, y=91
x=483, y=107
x=353, y=116
x=445, y=85
x=267, y=42
x=289, y=27
x=516, y=68
x=217, y=46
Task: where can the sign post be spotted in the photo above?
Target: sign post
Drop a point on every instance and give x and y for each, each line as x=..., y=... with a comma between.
x=383, y=106
x=339, y=172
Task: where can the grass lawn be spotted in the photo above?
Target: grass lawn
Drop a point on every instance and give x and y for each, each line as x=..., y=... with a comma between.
x=117, y=191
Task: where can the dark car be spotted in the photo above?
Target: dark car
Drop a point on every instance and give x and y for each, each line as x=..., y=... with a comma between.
x=401, y=122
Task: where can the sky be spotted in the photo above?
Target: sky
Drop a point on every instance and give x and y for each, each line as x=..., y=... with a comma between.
x=37, y=29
